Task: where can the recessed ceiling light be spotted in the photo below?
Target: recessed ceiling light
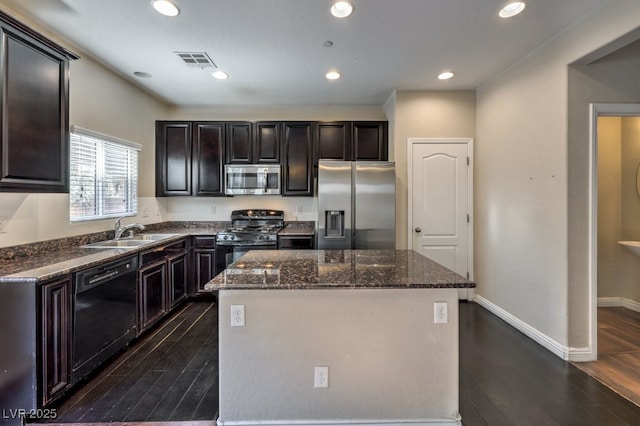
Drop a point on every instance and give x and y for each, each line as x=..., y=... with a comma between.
x=141, y=74
x=512, y=9
x=332, y=75
x=446, y=75
x=341, y=9
x=327, y=43
x=220, y=75
x=165, y=7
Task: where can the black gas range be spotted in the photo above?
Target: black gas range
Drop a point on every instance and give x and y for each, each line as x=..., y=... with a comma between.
x=254, y=229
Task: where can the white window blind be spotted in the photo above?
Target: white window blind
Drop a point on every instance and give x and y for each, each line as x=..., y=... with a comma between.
x=103, y=176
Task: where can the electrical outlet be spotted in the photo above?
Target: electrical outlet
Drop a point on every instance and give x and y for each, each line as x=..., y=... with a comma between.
x=3, y=226
x=157, y=211
x=321, y=377
x=237, y=315
x=440, y=313
x=299, y=209
x=213, y=209
x=145, y=212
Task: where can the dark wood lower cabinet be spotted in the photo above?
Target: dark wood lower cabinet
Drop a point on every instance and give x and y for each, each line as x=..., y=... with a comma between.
x=204, y=261
x=177, y=268
x=205, y=266
x=152, y=293
x=55, y=299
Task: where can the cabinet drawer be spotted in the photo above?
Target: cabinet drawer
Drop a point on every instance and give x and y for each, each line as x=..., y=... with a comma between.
x=296, y=242
x=162, y=252
x=204, y=241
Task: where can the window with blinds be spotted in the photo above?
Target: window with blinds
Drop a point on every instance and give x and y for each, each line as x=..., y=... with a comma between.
x=103, y=176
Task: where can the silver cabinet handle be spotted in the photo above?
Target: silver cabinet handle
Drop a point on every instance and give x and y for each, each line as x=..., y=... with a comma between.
x=418, y=229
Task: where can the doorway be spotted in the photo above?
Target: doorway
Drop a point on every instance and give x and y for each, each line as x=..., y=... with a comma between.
x=614, y=316
x=440, y=202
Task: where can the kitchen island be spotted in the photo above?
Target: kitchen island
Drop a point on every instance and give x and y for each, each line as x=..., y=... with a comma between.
x=367, y=315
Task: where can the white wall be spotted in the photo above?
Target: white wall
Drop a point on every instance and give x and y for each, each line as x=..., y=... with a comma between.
x=105, y=102
x=424, y=114
x=522, y=186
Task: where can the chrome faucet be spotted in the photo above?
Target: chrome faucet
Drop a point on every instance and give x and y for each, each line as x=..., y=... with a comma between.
x=122, y=229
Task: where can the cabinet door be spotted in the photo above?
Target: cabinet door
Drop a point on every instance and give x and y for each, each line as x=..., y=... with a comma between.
x=205, y=266
x=34, y=115
x=297, y=156
x=333, y=141
x=173, y=158
x=56, y=339
x=239, y=146
x=152, y=285
x=370, y=141
x=177, y=268
x=208, y=158
x=267, y=142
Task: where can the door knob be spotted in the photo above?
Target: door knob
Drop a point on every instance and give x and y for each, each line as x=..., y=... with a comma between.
x=418, y=229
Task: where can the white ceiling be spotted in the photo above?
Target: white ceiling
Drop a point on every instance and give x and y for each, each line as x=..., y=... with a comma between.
x=273, y=49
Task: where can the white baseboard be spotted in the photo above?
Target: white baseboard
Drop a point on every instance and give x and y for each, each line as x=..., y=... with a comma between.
x=609, y=302
x=531, y=332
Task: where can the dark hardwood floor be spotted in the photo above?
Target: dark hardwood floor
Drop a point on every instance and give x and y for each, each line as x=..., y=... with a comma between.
x=505, y=378
x=618, y=364
x=508, y=379
x=171, y=374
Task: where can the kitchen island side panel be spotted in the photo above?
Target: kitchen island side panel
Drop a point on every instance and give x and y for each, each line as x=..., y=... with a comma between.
x=387, y=358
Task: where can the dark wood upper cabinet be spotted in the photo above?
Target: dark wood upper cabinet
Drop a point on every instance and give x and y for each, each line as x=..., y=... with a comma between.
x=34, y=118
x=333, y=141
x=239, y=147
x=253, y=143
x=208, y=156
x=189, y=158
x=352, y=141
x=173, y=158
x=370, y=140
x=267, y=142
x=297, y=158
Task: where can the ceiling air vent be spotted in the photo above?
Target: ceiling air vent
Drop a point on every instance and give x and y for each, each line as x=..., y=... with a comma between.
x=196, y=59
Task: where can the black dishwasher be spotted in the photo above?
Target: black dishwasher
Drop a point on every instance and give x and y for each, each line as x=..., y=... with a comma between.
x=104, y=319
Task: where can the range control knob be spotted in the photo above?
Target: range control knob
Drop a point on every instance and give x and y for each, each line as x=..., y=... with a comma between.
x=225, y=237
x=261, y=237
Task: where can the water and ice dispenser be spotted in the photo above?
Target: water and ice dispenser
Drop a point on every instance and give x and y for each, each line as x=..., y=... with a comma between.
x=334, y=223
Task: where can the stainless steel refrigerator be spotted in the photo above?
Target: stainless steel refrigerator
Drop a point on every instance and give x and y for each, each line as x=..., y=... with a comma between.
x=356, y=205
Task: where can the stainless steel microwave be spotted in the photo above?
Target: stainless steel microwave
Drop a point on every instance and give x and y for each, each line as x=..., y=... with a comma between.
x=252, y=179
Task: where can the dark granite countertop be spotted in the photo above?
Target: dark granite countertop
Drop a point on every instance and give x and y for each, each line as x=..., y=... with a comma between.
x=302, y=228
x=317, y=269
x=46, y=260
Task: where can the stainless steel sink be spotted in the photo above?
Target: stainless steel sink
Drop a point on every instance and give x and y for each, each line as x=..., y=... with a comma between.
x=131, y=242
x=118, y=244
x=152, y=237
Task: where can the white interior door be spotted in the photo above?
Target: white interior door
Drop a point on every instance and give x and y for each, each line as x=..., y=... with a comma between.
x=440, y=203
